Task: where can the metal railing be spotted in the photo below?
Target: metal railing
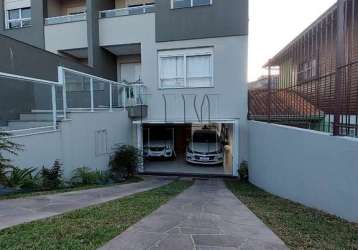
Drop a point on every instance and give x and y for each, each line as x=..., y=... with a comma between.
x=85, y=92
x=191, y=107
x=51, y=84
x=137, y=10
x=66, y=19
x=30, y=108
x=317, y=85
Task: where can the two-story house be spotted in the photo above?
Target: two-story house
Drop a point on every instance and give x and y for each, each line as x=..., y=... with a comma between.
x=191, y=55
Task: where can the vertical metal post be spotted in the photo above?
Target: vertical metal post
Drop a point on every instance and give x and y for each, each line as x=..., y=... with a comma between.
x=124, y=98
x=340, y=54
x=110, y=98
x=269, y=97
x=54, y=108
x=92, y=95
x=61, y=80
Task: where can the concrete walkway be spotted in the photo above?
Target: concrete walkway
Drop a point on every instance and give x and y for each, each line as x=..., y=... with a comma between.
x=207, y=216
x=17, y=211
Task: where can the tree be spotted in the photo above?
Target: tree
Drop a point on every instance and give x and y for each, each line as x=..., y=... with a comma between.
x=6, y=146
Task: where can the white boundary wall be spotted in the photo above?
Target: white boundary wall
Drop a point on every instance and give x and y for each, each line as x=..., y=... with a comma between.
x=74, y=144
x=312, y=168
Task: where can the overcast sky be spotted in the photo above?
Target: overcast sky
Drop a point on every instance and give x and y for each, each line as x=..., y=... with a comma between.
x=274, y=23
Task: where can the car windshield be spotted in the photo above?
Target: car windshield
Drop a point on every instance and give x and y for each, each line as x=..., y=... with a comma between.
x=205, y=137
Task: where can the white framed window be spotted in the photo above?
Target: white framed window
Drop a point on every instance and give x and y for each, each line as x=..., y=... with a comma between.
x=178, y=4
x=18, y=18
x=189, y=68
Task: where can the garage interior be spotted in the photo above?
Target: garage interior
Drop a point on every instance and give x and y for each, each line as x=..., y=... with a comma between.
x=210, y=141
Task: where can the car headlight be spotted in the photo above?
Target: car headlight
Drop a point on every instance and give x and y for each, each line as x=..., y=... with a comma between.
x=189, y=151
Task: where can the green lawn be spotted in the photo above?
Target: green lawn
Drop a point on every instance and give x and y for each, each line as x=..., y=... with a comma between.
x=298, y=226
x=65, y=190
x=91, y=227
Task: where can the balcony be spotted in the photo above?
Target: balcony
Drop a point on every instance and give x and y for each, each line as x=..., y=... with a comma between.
x=66, y=19
x=74, y=28
x=136, y=26
x=137, y=10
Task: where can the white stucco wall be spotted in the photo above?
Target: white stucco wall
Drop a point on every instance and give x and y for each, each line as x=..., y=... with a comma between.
x=312, y=168
x=74, y=32
x=228, y=96
x=74, y=143
x=131, y=29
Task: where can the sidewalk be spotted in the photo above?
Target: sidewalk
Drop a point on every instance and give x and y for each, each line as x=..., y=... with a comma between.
x=17, y=211
x=207, y=216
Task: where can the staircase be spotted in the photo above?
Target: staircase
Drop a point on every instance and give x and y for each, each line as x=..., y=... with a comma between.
x=35, y=122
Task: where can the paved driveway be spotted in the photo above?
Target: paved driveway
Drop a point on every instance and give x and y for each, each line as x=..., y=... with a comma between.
x=207, y=216
x=17, y=211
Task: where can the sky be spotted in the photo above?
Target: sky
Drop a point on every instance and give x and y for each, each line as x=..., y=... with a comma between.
x=275, y=23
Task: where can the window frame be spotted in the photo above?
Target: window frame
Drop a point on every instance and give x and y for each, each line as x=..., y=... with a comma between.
x=191, y=5
x=21, y=19
x=207, y=51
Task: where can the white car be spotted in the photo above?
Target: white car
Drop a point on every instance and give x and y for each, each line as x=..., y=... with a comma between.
x=159, y=149
x=205, y=148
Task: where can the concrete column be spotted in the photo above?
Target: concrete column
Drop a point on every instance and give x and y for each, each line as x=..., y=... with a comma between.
x=103, y=62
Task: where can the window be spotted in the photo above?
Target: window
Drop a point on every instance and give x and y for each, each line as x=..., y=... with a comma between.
x=192, y=68
x=308, y=70
x=177, y=4
x=18, y=18
x=172, y=71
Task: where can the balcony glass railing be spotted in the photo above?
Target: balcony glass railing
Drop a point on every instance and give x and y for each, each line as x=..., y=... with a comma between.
x=137, y=10
x=50, y=102
x=66, y=19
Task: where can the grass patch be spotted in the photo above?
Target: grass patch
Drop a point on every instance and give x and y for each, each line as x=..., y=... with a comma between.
x=65, y=190
x=91, y=227
x=298, y=226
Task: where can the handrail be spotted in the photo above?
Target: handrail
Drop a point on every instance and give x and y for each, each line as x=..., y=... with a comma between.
x=196, y=109
x=94, y=77
x=184, y=101
x=60, y=84
x=209, y=107
x=65, y=19
x=165, y=107
x=29, y=79
x=146, y=8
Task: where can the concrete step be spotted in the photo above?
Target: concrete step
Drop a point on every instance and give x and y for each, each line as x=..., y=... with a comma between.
x=39, y=117
x=18, y=124
x=17, y=132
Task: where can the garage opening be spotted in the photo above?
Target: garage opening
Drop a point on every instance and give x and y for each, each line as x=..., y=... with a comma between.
x=194, y=149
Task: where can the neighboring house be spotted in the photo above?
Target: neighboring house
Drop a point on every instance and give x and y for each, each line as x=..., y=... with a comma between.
x=308, y=68
x=191, y=56
x=263, y=82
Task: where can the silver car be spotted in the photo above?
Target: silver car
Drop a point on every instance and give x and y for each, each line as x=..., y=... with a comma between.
x=159, y=149
x=205, y=148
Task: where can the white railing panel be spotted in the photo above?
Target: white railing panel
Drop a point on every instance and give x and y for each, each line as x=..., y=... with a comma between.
x=66, y=19
x=138, y=10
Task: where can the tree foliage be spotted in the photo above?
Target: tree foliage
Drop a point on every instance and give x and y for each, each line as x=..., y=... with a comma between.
x=124, y=162
x=9, y=147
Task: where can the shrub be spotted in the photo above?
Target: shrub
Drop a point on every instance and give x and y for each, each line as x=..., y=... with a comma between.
x=9, y=147
x=124, y=162
x=85, y=176
x=244, y=171
x=21, y=178
x=51, y=178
